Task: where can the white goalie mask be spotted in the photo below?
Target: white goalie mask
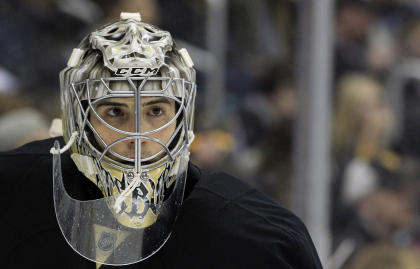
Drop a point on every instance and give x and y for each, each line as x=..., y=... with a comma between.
x=127, y=99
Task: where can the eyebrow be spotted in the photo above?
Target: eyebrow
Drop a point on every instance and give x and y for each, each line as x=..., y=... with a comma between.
x=153, y=102
x=157, y=101
x=108, y=103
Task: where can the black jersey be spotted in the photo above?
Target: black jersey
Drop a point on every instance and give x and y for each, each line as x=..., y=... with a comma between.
x=223, y=223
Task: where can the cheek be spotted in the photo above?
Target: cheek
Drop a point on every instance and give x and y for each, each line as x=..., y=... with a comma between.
x=106, y=134
x=166, y=133
x=169, y=131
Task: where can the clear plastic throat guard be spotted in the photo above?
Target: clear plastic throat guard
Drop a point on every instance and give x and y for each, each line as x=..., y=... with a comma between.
x=93, y=230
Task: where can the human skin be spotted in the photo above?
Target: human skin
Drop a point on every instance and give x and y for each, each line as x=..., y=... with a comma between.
x=120, y=113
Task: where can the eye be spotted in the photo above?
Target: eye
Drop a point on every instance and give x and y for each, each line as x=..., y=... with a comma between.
x=115, y=112
x=155, y=111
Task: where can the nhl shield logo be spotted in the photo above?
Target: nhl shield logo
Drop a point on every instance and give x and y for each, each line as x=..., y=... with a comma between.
x=106, y=241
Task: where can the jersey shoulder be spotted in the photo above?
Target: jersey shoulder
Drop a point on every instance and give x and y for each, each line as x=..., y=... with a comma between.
x=28, y=162
x=239, y=221
x=225, y=193
x=38, y=147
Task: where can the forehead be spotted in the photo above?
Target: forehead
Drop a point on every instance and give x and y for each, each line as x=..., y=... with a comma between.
x=129, y=101
x=121, y=87
x=124, y=85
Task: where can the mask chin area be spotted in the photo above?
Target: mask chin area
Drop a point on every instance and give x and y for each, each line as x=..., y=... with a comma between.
x=98, y=232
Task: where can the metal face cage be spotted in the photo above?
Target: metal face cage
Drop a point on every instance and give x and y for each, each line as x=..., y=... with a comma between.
x=85, y=94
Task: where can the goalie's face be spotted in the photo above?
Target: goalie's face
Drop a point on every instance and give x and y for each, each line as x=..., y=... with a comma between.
x=120, y=113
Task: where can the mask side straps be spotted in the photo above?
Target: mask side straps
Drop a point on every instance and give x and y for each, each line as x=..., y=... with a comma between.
x=67, y=146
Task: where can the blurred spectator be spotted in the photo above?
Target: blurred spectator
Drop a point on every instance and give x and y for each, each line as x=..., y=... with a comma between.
x=364, y=41
x=21, y=126
x=361, y=117
x=35, y=35
x=353, y=22
x=380, y=256
x=8, y=82
x=11, y=101
x=211, y=148
x=404, y=90
x=20, y=122
x=273, y=103
x=265, y=124
x=381, y=50
x=370, y=201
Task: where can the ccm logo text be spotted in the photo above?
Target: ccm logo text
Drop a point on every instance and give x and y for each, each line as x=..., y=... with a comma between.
x=136, y=71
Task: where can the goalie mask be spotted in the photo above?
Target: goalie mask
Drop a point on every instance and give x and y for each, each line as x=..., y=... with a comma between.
x=127, y=99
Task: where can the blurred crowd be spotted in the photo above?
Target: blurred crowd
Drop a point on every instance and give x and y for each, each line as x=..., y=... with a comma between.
x=375, y=181
x=376, y=97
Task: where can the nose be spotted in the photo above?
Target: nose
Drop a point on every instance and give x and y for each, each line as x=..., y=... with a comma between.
x=143, y=126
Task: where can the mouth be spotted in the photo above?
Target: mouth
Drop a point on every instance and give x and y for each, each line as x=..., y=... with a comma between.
x=131, y=163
